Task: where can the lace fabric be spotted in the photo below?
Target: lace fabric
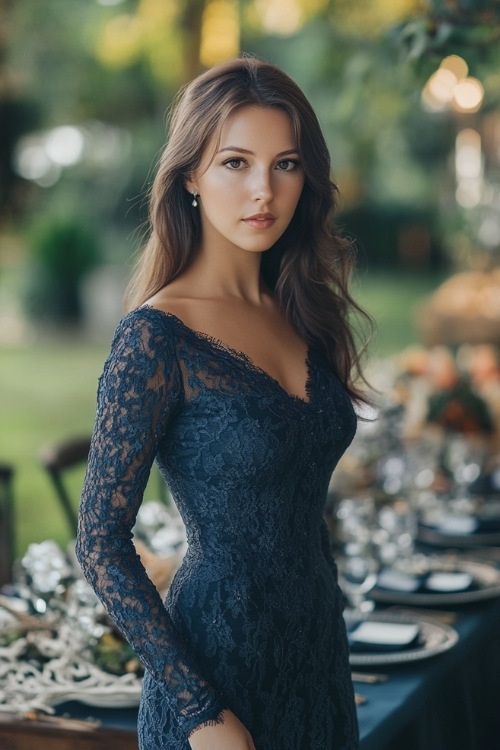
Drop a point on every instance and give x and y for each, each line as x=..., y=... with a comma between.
x=252, y=620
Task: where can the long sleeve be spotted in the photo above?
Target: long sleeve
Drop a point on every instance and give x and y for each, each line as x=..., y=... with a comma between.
x=139, y=392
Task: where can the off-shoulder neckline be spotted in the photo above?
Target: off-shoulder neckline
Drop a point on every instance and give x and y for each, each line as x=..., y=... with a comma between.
x=242, y=357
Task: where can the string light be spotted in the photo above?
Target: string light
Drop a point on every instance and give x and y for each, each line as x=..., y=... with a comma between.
x=451, y=87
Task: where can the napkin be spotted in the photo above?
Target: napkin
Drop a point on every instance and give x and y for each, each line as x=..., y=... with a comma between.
x=371, y=635
x=439, y=581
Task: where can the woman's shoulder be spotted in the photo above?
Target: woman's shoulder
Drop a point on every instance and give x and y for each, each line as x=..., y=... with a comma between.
x=146, y=328
x=176, y=303
x=148, y=316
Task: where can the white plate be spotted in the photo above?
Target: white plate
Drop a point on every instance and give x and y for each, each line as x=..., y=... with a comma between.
x=435, y=638
x=125, y=696
x=486, y=579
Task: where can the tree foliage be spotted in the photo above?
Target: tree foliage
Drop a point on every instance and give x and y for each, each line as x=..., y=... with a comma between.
x=363, y=63
x=468, y=27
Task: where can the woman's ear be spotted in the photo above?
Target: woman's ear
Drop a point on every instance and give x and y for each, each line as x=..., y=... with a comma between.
x=190, y=185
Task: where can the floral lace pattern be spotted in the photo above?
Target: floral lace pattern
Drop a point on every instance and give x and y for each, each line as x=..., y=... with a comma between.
x=252, y=620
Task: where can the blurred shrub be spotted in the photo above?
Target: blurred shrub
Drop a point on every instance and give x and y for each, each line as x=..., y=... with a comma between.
x=17, y=116
x=394, y=237
x=63, y=250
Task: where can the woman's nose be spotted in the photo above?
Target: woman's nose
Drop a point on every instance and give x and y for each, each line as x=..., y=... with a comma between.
x=262, y=186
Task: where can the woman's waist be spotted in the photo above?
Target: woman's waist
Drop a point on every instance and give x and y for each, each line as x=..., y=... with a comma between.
x=255, y=580
x=255, y=560
x=253, y=598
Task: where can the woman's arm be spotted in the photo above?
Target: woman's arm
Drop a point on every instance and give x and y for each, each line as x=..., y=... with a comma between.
x=138, y=392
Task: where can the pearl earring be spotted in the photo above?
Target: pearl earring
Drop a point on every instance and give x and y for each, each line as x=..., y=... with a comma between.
x=194, y=202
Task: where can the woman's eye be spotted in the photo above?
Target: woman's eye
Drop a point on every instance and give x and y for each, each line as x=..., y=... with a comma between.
x=233, y=163
x=287, y=165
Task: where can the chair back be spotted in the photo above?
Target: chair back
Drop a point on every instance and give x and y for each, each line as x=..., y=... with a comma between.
x=6, y=524
x=58, y=458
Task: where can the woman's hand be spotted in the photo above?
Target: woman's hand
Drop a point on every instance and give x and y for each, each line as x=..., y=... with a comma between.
x=230, y=734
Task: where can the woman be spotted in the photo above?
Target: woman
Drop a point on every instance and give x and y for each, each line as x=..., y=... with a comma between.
x=233, y=370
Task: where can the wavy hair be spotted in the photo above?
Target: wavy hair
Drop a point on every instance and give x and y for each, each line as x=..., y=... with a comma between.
x=309, y=267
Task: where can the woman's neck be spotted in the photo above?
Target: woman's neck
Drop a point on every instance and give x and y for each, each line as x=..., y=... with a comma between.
x=230, y=275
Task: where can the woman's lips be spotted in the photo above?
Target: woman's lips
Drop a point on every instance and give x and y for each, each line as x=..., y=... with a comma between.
x=260, y=221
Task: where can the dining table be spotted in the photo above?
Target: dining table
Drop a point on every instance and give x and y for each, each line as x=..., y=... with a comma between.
x=449, y=701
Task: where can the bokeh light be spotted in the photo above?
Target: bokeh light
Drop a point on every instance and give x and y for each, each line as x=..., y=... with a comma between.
x=468, y=95
x=220, y=33
x=451, y=87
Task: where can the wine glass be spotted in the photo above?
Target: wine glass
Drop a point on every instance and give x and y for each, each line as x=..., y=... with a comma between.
x=357, y=568
x=356, y=562
x=397, y=530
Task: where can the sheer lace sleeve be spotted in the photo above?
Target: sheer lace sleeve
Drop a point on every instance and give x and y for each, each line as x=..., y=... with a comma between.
x=139, y=391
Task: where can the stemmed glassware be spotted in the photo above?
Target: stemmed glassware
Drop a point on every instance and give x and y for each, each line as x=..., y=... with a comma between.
x=356, y=561
x=396, y=532
x=43, y=576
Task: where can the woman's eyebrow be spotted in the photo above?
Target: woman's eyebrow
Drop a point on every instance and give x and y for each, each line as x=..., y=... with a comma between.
x=246, y=151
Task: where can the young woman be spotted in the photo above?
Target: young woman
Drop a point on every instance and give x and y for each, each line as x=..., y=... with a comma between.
x=234, y=371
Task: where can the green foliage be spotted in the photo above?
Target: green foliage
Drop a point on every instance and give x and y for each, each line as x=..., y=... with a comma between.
x=113, y=654
x=467, y=11
x=63, y=250
x=394, y=236
x=466, y=27
x=17, y=116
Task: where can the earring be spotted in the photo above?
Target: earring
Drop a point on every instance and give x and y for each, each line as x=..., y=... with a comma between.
x=194, y=202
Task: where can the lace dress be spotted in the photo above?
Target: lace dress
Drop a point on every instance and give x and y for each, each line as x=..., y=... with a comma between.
x=252, y=620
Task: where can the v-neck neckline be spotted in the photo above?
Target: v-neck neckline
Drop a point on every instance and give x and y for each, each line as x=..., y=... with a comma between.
x=244, y=358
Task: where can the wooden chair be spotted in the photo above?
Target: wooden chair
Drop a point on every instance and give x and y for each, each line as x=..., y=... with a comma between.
x=6, y=524
x=59, y=458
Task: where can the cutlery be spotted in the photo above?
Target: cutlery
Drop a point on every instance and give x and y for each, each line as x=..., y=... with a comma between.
x=437, y=615
x=63, y=722
x=369, y=677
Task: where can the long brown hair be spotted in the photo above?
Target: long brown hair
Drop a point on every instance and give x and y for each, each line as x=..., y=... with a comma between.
x=308, y=268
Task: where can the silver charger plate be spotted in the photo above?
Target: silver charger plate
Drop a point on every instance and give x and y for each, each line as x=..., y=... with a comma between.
x=435, y=638
x=486, y=579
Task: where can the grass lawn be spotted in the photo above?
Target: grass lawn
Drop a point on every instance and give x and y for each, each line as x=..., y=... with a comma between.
x=47, y=393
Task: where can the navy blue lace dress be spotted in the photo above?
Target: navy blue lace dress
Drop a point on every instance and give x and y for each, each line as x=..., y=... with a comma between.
x=252, y=620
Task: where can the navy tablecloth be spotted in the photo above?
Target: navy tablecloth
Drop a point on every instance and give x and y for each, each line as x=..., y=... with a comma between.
x=447, y=702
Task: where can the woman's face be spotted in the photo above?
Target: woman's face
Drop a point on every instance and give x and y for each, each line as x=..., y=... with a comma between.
x=249, y=190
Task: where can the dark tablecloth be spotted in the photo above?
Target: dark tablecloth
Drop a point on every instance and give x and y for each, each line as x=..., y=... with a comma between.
x=447, y=702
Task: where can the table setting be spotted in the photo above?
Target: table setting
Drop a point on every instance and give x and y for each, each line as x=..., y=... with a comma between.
x=414, y=518
x=57, y=643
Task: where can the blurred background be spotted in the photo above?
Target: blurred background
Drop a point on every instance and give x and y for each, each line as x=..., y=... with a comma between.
x=408, y=95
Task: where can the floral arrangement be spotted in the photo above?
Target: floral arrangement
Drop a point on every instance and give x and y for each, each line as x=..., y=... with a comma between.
x=459, y=409
x=458, y=391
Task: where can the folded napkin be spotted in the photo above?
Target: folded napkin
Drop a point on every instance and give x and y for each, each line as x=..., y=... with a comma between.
x=433, y=581
x=376, y=636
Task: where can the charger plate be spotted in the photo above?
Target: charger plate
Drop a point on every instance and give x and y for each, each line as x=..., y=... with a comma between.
x=486, y=585
x=435, y=638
